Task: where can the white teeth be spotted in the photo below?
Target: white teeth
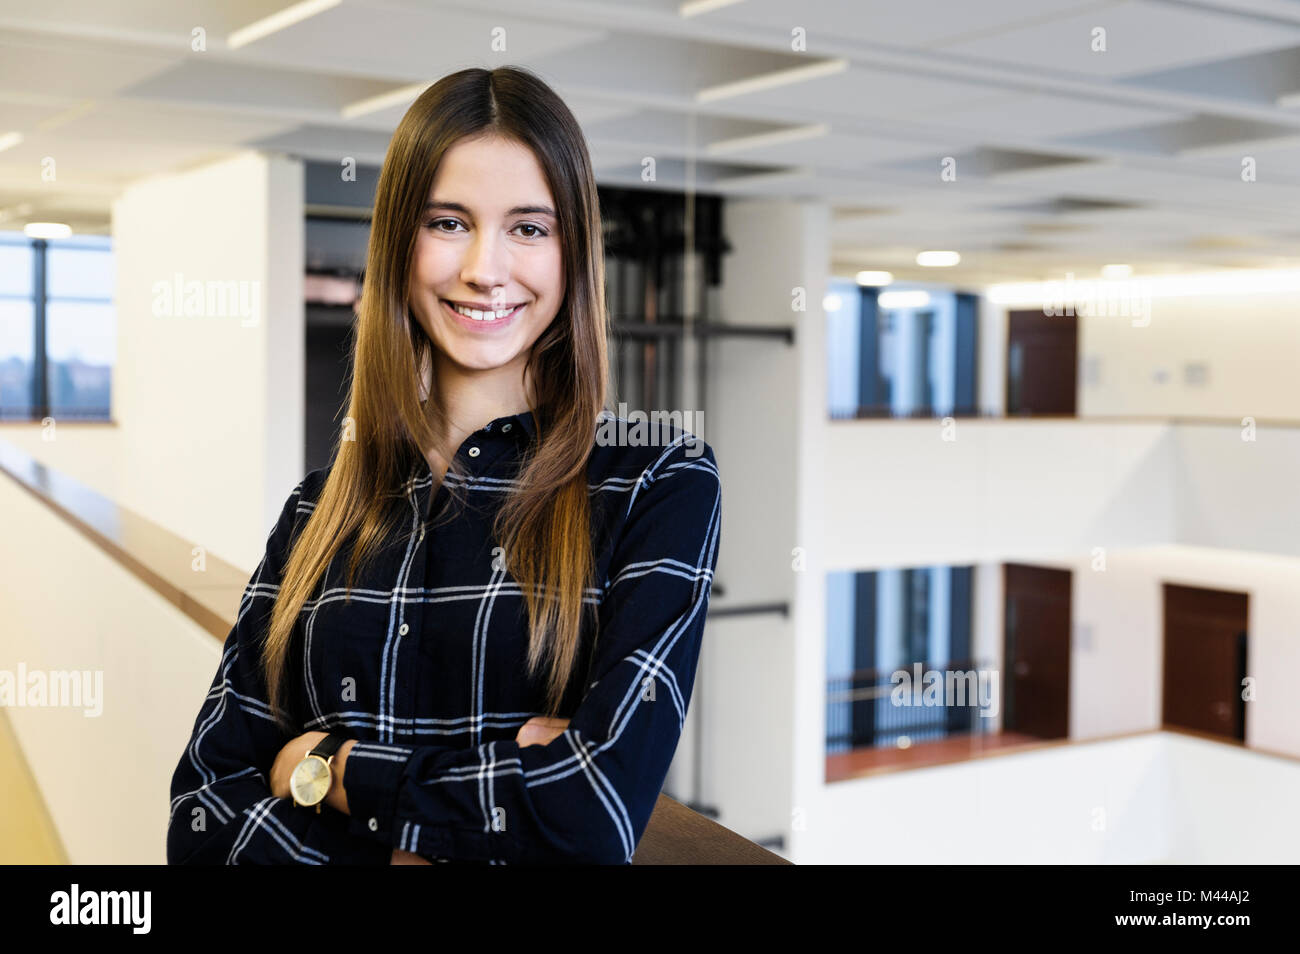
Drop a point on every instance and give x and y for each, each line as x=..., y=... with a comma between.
x=482, y=315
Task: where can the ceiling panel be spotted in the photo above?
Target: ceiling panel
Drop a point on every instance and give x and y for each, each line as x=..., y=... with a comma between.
x=74, y=67
x=1044, y=116
x=1052, y=141
x=256, y=89
x=918, y=23
x=863, y=93
x=1141, y=36
x=665, y=68
x=126, y=19
x=415, y=42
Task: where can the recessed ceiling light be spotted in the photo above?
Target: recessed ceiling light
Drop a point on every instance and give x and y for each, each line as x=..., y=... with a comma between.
x=1116, y=271
x=873, y=279
x=47, y=230
x=9, y=140
x=693, y=8
x=934, y=258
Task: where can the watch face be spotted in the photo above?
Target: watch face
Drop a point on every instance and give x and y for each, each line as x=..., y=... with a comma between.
x=310, y=781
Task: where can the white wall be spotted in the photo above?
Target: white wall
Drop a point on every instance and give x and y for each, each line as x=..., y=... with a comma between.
x=1249, y=344
x=105, y=777
x=1235, y=493
x=209, y=408
x=763, y=395
x=905, y=496
x=1152, y=798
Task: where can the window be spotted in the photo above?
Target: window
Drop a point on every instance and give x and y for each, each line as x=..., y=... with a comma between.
x=881, y=622
x=912, y=359
x=57, y=327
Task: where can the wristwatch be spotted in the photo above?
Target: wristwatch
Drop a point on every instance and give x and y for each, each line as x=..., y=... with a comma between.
x=313, y=776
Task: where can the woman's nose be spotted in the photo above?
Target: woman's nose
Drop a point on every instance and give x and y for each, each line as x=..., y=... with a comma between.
x=486, y=262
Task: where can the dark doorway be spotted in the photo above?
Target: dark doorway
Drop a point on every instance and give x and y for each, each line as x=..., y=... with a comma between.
x=1205, y=660
x=1036, y=696
x=1042, y=363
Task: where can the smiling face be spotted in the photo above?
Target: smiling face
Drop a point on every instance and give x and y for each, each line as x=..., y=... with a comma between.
x=488, y=240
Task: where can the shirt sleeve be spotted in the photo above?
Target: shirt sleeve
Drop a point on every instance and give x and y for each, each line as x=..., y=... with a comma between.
x=586, y=797
x=222, y=809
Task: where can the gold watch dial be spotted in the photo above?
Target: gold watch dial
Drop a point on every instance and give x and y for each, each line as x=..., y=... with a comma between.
x=310, y=781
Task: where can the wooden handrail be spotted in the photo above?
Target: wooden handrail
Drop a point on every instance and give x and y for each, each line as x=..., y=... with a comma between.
x=675, y=835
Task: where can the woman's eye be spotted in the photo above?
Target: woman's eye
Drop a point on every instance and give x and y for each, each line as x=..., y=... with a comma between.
x=537, y=232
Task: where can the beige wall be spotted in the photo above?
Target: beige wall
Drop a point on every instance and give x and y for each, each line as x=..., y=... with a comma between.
x=209, y=407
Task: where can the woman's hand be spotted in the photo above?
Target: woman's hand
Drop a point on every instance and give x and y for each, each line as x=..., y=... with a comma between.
x=401, y=857
x=540, y=730
x=294, y=751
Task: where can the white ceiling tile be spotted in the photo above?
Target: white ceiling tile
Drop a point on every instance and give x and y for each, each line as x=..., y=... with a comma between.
x=915, y=23
x=1141, y=36
x=71, y=67
x=862, y=92
x=1044, y=116
x=419, y=41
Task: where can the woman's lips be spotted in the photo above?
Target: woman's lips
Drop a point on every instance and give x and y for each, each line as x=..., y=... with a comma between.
x=473, y=325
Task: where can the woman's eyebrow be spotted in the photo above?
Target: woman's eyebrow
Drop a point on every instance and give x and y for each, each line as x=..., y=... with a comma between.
x=517, y=210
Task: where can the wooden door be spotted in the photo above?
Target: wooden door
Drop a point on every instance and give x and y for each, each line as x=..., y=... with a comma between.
x=1036, y=693
x=1042, y=363
x=1204, y=660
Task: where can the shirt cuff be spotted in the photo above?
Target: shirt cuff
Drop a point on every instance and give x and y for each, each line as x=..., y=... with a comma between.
x=371, y=778
x=331, y=833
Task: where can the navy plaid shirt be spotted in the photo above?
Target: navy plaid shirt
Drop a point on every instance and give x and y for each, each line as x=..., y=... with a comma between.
x=425, y=667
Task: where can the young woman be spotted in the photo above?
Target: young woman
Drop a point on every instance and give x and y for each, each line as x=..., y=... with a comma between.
x=502, y=671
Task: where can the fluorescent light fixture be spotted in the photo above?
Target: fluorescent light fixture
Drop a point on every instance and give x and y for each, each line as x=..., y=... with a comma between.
x=693, y=8
x=9, y=140
x=1116, y=271
x=831, y=302
x=1234, y=148
x=776, y=138
x=1047, y=169
x=280, y=20
x=1289, y=100
x=1243, y=281
x=937, y=259
x=372, y=104
x=873, y=279
x=762, y=178
x=903, y=299
x=47, y=230
x=796, y=74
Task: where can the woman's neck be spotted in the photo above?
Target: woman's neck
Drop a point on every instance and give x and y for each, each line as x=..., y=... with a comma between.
x=470, y=401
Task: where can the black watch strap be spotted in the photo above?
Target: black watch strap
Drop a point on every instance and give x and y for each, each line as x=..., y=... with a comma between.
x=328, y=745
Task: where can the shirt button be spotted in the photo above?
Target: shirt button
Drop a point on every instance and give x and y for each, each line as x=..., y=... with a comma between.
x=404, y=630
x=473, y=452
x=506, y=427
x=374, y=824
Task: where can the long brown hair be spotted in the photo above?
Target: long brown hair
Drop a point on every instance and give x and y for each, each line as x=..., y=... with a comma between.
x=544, y=524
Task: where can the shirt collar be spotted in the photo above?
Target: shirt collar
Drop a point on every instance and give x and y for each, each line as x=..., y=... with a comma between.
x=523, y=420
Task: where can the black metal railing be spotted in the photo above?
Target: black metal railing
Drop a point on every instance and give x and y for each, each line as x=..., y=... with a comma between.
x=871, y=708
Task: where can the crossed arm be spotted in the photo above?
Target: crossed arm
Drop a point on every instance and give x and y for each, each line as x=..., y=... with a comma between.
x=538, y=730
